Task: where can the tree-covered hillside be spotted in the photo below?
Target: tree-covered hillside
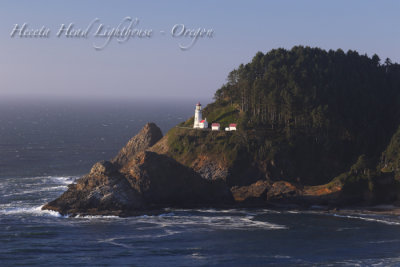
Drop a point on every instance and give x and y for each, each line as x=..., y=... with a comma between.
x=313, y=112
x=311, y=88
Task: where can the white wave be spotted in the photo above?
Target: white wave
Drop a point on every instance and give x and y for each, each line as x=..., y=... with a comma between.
x=347, y=228
x=369, y=219
x=370, y=262
x=270, y=211
x=113, y=242
x=198, y=256
x=97, y=217
x=152, y=235
x=40, y=189
x=64, y=180
x=34, y=184
x=282, y=257
x=166, y=214
x=249, y=222
x=36, y=211
x=29, y=185
x=234, y=210
x=209, y=210
x=61, y=179
x=293, y=211
x=238, y=222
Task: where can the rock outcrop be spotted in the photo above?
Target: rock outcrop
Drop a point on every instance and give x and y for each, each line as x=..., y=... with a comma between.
x=104, y=191
x=256, y=192
x=162, y=181
x=147, y=137
x=210, y=169
x=282, y=190
x=138, y=180
x=144, y=177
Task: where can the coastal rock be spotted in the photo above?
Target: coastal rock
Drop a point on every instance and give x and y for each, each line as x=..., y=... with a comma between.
x=256, y=192
x=210, y=169
x=146, y=181
x=103, y=191
x=282, y=190
x=103, y=168
x=162, y=181
x=147, y=137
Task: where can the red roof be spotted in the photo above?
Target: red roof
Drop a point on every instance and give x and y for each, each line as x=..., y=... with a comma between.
x=198, y=104
x=232, y=125
x=202, y=121
x=215, y=124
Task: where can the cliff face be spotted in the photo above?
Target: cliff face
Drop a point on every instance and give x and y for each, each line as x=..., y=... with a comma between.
x=137, y=180
x=104, y=191
x=163, y=182
x=147, y=137
x=255, y=180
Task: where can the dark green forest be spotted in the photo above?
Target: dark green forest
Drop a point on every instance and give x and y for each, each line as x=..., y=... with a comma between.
x=312, y=112
x=313, y=89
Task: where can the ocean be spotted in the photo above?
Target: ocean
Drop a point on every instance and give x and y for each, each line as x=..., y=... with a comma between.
x=47, y=145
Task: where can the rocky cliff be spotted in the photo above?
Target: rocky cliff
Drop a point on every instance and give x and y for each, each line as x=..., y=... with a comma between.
x=146, y=176
x=137, y=180
x=147, y=137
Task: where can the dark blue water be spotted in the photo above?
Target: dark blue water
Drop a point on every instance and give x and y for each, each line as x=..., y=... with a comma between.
x=64, y=138
x=44, y=147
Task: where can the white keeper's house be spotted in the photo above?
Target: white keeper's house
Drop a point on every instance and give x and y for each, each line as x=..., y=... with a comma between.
x=215, y=126
x=232, y=127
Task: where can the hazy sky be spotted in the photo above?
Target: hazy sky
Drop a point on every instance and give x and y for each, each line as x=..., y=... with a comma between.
x=156, y=66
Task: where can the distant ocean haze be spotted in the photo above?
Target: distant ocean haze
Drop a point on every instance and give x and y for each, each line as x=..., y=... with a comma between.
x=66, y=138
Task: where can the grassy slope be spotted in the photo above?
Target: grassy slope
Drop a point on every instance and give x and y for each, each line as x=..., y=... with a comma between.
x=224, y=115
x=185, y=145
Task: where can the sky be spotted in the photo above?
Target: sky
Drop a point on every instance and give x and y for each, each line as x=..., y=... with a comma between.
x=156, y=67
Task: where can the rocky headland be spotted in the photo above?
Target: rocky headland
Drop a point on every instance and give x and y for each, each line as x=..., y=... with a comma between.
x=314, y=128
x=138, y=180
x=142, y=178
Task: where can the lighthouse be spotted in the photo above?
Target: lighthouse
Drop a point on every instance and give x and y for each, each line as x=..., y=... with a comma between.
x=197, y=116
x=199, y=123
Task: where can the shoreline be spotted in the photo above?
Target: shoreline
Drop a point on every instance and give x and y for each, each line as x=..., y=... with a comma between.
x=385, y=210
x=371, y=210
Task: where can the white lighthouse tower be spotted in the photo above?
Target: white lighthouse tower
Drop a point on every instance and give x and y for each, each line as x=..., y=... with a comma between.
x=197, y=116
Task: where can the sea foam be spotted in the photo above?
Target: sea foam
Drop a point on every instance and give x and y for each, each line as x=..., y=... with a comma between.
x=369, y=219
x=35, y=211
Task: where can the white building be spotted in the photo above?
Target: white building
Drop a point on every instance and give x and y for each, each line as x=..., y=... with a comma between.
x=232, y=127
x=199, y=123
x=197, y=116
x=203, y=124
x=215, y=127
